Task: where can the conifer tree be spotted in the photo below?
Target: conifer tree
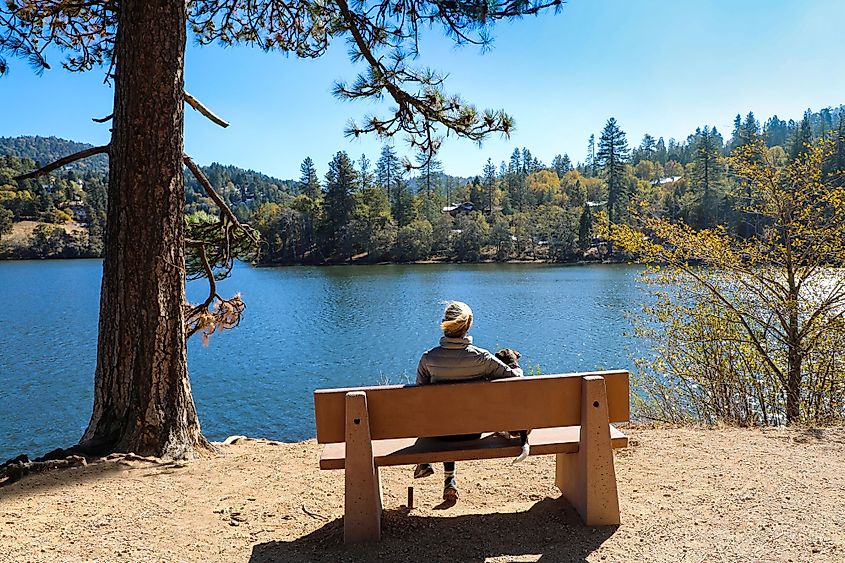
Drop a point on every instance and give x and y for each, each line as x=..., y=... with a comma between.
x=402, y=204
x=308, y=180
x=611, y=158
x=365, y=177
x=648, y=148
x=516, y=181
x=489, y=183
x=388, y=170
x=339, y=203
x=561, y=165
x=591, y=156
x=802, y=139
x=707, y=170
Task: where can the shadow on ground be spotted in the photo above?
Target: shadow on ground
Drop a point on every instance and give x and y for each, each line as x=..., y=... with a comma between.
x=550, y=531
x=64, y=477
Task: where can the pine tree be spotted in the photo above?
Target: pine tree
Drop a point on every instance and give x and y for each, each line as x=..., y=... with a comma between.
x=339, y=203
x=776, y=132
x=516, y=181
x=489, y=183
x=388, y=168
x=707, y=171
x=802, y=139
x=585, y=228
x=661, y=153
x=612, y=156
x=561, y=165
x=402, y=204
x=364, y=175
x=648, y=149
x=309, y=183
x=591, y=156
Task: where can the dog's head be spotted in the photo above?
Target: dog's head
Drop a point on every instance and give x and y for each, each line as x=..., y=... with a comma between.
x=509, y=357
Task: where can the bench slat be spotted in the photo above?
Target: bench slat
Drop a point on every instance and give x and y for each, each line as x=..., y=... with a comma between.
x=408, y=451
x=410, y=411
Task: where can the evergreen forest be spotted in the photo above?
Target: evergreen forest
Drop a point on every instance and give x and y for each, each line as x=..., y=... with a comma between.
x=389, y=208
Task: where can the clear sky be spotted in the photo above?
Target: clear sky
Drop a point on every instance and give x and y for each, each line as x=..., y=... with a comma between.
x=662, y=67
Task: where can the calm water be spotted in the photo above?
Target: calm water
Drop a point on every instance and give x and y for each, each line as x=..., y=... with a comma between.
x=304, y=328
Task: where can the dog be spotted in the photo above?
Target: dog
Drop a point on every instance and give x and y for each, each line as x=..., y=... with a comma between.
x=510, y=358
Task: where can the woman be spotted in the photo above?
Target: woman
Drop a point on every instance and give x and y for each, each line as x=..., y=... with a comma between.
x=456, y=359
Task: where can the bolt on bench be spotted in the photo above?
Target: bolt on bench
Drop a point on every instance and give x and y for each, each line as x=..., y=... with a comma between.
x=570, y=415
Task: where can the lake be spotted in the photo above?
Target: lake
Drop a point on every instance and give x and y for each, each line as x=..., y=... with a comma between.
x=303, y=328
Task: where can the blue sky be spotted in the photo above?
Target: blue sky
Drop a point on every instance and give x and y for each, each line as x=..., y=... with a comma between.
x=659, y=66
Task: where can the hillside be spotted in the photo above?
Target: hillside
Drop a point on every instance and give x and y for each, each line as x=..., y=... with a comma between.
x=686, y=494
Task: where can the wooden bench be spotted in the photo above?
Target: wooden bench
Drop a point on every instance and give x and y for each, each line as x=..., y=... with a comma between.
x=570, y=415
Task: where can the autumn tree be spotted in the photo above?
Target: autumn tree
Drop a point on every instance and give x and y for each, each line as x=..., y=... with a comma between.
x=751, y=330
x=142, y=395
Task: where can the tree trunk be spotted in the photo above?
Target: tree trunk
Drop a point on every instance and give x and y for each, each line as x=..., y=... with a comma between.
x=142, y=396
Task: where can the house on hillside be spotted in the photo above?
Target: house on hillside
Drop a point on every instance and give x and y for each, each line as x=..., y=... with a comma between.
x=455, y=210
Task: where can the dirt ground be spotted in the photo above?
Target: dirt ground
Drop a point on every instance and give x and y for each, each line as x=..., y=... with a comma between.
x=686, y=494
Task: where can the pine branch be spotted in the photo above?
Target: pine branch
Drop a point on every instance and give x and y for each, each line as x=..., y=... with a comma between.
x=102, y=119
x=197, y=105
x=62, y=162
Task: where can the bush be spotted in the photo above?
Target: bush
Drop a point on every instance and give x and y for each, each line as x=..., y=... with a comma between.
x=413, y=242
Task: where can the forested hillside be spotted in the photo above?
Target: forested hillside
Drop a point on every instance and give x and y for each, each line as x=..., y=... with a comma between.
x=392, y=209
x=68, y=206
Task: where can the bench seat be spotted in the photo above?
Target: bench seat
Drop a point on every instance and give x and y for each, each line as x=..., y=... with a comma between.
x=409, y=451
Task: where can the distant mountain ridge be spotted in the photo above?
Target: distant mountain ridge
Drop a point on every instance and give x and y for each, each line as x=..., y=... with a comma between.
x=44, y=150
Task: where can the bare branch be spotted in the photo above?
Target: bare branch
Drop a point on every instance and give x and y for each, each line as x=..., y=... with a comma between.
x=209, y=189
x=62, y=162
x=197, y=105
x=102, y=119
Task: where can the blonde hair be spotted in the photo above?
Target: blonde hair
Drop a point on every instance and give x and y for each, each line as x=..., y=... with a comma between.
x=457, y=319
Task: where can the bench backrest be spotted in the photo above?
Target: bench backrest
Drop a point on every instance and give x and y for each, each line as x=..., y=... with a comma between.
x=406, y=411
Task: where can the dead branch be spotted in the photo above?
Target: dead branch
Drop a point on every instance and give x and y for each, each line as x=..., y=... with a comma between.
x=314, y=514
x=212, y=193
x=62, y=162
x=197, y=105
x=102, y=119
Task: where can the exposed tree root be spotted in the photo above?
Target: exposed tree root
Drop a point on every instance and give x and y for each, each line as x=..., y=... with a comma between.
x=16, y=468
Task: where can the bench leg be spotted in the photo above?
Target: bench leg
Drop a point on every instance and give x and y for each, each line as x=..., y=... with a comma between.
x=588, y=478
x=363, y=502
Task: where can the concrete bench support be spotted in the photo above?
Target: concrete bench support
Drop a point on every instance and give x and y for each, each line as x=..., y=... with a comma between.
x=362, y=517
x=587, y=478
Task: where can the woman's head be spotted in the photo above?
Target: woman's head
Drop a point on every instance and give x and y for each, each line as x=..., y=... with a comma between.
x=457, y=319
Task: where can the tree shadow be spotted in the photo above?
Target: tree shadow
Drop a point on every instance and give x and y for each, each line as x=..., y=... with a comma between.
x=550, y=531
x=64, y=477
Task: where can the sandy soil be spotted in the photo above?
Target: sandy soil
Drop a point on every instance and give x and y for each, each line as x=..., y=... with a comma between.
x=686, y=495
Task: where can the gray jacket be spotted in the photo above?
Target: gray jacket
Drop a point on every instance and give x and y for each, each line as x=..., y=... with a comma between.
x=456, y=359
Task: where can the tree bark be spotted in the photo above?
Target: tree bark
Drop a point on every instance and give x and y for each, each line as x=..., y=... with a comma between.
x=142, y=396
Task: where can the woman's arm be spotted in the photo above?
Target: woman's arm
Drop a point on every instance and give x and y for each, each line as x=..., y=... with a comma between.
x=423, y=375
x=497, y=369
